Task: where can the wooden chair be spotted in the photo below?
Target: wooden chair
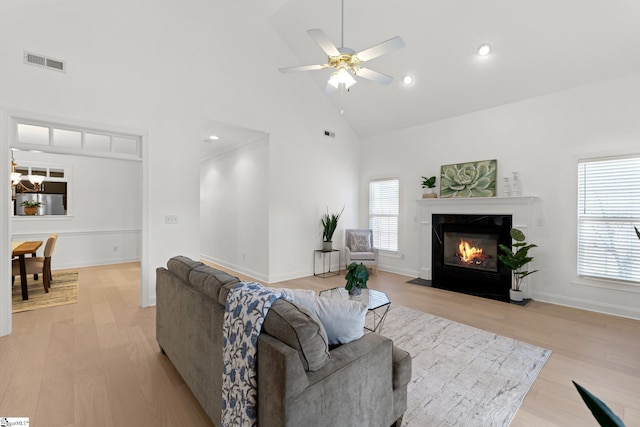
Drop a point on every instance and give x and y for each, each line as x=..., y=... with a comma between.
x=39, y=264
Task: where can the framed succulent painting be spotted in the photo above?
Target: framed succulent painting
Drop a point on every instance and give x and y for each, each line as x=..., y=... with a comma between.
x=473, y=179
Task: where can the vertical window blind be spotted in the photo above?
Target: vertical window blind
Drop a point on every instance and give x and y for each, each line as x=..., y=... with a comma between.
x=608, y=209
x=384, y=206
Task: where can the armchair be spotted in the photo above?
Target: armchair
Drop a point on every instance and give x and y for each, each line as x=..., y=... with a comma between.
x=358, y=247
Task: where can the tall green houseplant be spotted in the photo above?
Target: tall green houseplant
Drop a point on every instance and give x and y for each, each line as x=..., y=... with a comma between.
x=329, y=225
x=516, y=258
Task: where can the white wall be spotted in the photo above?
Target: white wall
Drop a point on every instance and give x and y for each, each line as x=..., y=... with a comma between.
x=105, y=211
x=542, y=138
x=313, y=174
x=264, y=220
x=162, y=68
x=234, y=209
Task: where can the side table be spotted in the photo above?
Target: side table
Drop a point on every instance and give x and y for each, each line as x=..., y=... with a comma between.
x=326, y=272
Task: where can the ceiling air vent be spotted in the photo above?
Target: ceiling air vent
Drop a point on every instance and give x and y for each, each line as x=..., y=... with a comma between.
x=43, y=61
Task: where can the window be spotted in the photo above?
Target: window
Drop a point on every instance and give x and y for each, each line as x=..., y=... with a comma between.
x=67, y=139
x=608, y=209
x=384, y=202
x=52, y=190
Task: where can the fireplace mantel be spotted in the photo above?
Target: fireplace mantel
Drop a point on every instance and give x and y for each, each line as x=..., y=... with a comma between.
x=476, y=201
x=520, y=208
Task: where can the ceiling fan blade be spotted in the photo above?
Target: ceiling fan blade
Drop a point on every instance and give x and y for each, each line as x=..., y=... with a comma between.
x=374, y=75
x=380, y=49
x=323, y=41
x=302, y=68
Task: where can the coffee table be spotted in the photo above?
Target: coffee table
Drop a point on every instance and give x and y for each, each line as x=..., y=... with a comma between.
x=378, y=304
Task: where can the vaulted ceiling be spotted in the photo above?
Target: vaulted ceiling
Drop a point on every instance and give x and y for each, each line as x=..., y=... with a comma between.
x=539, y=47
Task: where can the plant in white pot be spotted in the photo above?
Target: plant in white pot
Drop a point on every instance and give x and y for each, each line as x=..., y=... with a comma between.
x=329, y=225
x=428, y=185
x=515, y=258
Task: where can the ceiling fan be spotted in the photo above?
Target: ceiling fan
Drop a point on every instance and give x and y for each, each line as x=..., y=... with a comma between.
x=347, y=62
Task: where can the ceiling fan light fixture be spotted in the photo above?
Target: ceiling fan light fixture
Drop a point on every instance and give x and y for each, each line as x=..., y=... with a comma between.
x=342, y=76
x=484, y=49
x=408, y=80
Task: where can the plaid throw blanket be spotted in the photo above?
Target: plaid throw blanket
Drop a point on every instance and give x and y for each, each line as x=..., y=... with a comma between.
x=247, y=305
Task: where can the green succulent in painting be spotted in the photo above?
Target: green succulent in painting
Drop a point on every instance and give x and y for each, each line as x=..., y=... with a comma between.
x=476, y=179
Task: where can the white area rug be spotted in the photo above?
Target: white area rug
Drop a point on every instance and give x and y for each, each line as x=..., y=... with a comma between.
x=461, y=376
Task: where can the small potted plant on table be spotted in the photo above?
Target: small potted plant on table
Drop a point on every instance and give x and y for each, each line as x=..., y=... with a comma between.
x=357, y=276
x=428, y=184
x=516, y=262
x=31, y=206
x=329, y=225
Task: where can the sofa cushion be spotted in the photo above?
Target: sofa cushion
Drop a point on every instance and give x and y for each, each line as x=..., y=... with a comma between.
x=342, y=319
x=209, y=280
x=297, y=328
x=363, y=256
x=181, y=266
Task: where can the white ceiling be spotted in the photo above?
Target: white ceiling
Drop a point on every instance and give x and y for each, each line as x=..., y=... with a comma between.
x=539, y=46
x=230, y=138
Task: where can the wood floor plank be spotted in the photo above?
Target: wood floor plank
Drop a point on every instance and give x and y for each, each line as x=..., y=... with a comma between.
x=91, y=403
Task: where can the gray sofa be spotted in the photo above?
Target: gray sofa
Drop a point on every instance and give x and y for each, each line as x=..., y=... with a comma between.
x=301, y=382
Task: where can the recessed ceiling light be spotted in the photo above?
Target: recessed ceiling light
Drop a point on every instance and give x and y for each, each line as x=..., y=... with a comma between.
x=214, y=137
x=407, y=80
x=484, y=49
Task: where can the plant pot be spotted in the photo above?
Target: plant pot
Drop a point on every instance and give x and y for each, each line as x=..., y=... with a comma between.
x=429, y=193
x=355, y=291
x=327, y=246
x=30, y=210
x=517, y=296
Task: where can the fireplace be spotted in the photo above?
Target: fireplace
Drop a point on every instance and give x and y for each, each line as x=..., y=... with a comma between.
x=464, y=254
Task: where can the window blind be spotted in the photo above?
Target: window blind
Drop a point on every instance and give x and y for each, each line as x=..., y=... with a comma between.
x=384, y=203
x=608, y=209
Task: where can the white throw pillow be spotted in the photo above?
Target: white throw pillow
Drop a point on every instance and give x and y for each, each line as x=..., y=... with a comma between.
x=342, y=319
x=289, y=293
x=360, y=242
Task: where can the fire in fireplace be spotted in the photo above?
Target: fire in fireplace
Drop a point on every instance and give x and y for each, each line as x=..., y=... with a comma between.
x=466, y=250
x=465, y=254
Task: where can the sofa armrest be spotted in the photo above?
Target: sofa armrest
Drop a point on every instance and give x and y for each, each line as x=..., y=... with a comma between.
x=401, y=367
x=353, y=388
x=280, y=370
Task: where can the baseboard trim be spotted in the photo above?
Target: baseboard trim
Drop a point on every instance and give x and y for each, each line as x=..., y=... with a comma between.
x=589, y=305
x=247, y=272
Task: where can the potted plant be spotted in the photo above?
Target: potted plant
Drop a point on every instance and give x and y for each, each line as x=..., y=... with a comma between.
x=428, y=184
x=516, y=261
x=31, y=206
x=357, y=276
x=329, y=225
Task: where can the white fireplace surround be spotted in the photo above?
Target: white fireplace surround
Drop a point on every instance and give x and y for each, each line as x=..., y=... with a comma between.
x=520, y=209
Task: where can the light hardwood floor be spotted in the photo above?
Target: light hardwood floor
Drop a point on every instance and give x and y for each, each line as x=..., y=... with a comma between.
x=96, y=363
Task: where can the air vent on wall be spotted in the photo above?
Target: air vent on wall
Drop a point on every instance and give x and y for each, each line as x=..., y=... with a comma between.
x=43, y=61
